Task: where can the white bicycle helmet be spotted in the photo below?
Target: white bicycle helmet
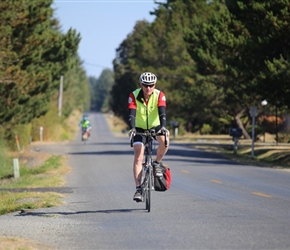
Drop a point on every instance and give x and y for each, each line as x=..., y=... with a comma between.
x=147, y=78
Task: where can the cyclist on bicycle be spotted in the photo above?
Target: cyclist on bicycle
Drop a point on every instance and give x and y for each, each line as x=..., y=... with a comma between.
x=147, y=110
x=85, y=125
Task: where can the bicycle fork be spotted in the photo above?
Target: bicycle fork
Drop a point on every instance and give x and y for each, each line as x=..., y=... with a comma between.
x=146, y=184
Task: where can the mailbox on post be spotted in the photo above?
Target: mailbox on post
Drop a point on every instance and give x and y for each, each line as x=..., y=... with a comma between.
x=174, y=125
x=235, y=133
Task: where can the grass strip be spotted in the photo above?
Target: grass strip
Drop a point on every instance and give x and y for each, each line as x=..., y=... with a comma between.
x=50, y=174
x=12, y=202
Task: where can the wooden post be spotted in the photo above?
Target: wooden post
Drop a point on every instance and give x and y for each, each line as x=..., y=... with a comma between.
x=41, y=133
x=253, y=113
x=17, y=142
x=16, y=168
x=235, y=145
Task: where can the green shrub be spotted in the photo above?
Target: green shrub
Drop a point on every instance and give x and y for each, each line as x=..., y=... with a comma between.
x=6, y=169
x=49, y=122
x=17, y=136
x=206, y=129
x=55, y=128
x=23, y=132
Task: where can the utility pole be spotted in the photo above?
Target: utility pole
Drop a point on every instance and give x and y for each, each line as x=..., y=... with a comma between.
x=276, y=123
x=60, y=96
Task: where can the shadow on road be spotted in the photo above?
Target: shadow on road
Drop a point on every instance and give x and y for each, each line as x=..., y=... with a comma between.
x=205, y=162
x=90, y=143
x=189, y=154
x=108, y=152
x=48, y=214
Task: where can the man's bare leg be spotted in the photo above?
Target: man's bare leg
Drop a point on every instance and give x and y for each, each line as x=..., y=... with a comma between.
x=137, y=164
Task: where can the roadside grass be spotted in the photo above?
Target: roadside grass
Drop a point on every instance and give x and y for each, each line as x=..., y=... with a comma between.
x=265, y=154
x=11, y=202
x=4, y=162
x=37, y=169
x=116, y=124
x=14, y=243
x=272, y=156
x=47, y=175
x=50, y=174
x=5, y=169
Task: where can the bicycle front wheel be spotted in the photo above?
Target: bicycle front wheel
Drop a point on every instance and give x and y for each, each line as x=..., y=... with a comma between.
x=148, y=190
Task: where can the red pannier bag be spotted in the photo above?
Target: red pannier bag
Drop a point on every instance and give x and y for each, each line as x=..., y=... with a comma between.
x=162, y=184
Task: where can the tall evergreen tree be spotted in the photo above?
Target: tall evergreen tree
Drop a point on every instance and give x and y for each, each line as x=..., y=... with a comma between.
x=76, y=94
x=100, y=90
x=239, y=55
x=33, y=56
x=268, y=50
x=217, y=44
x=126, y=70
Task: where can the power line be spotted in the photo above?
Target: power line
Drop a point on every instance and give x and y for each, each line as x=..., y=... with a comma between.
x=95, y=65
x=160, y=75
x=105, y=1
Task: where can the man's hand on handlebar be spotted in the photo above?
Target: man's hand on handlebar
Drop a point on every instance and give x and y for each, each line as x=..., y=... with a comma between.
x=162, y=131
x=165, y=132
x=132, y=133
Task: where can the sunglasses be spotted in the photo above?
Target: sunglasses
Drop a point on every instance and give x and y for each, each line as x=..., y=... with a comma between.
x=146, y=86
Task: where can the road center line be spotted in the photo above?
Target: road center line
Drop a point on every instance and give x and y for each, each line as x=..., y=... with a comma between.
x=261, y=194
x=216, y=181
x=185, y=171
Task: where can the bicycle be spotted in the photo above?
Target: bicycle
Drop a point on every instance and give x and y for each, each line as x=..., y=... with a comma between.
x=85, y=134
x=147, y=177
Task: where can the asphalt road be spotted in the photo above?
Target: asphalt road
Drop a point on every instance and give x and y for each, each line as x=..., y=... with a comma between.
x=213, y=203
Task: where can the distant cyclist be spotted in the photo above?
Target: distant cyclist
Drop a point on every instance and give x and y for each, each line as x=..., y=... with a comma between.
x=85, y=125
x=147, y=110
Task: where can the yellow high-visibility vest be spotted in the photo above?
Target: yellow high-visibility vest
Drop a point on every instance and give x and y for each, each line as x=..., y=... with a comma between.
x=147, y=115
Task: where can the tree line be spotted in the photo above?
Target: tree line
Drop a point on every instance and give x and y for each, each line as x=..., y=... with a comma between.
x=34, y=55
x=213, y=59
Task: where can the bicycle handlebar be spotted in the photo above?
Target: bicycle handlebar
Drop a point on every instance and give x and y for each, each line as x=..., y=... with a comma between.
x=150, y=133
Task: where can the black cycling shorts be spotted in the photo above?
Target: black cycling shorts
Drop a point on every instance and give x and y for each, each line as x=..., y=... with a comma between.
x=142, y=139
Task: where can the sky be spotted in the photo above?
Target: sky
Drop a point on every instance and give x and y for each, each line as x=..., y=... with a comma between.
x=103, y=25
